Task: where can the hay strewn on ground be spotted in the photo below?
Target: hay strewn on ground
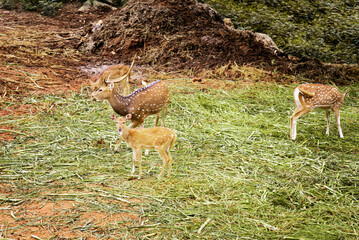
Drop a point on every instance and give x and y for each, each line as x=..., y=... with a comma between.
x=235, y=173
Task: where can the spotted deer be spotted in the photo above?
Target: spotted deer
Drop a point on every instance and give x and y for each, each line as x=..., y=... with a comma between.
x=160, y=138
x=113, y=74
x=310, y=96
x=146, y=101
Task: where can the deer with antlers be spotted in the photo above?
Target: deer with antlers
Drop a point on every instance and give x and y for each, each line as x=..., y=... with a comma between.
x=151, y=99
x=310, y=96
x=113, y=74
x=160, y=138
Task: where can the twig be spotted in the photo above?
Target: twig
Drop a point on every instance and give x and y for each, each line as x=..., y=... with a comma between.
x=145, y=226
x=203, y=225
x=117, y=198
x=150, y=235
x=266, y=225
x=88, y=194
x=12, y=131
x=12, y=80
x=12, y=215
x=113, y=196
x=32, y=80
x=87, y=225
x=27, y=73
x=10, y=200
x=36, y=237
x=194, y=194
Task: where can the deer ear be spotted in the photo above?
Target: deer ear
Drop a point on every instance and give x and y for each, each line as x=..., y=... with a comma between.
x=113, y=117
x=346, y=94
x=128, y=116
x=111, y=85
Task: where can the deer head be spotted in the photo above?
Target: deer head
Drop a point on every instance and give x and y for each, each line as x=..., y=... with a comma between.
x=113, y=74
x=102, y=92
x=121, y=121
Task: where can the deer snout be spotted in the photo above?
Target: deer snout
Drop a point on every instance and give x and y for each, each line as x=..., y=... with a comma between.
x=93, y=96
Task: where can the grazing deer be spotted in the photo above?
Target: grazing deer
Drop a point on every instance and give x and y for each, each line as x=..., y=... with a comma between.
x=149, y=100
x=160, y=138
x=310, y=96
x=113, y=74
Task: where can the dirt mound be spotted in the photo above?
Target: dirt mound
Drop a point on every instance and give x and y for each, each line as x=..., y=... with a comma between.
x=175, y=34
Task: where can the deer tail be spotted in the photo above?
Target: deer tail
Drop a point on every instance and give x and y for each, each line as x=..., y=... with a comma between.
x=296, y=98
x=173, y=140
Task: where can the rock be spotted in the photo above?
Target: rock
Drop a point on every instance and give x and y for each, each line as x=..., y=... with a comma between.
x=267, y=42
x=87, y=6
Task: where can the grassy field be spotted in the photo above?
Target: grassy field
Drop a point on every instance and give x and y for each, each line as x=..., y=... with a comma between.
x=236, y=174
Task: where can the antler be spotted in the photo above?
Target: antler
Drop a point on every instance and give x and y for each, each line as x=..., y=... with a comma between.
x=118, y=70
x=98, y=83
x=108, y=81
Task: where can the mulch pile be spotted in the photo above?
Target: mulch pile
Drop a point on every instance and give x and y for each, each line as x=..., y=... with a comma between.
x=186, y=34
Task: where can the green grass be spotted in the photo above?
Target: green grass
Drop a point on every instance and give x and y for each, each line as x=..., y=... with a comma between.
x=235, y=175
x=326, y=30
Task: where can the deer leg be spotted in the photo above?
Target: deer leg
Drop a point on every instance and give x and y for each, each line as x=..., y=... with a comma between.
x=170, y=146
x=163, y=115
x=169, y=162
x=133, y=162
x=293, y=121
x=146, y=150
x=327, y=114
x=137, y=152
x=293, y=126
x=337, y=118
x=162, y=152
x=118, y=144
x=157, y=118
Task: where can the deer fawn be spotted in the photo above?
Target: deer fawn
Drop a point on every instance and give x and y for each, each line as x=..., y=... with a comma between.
x=146, y=101
x=310, y=96
x=113, y=74
x=160, y=138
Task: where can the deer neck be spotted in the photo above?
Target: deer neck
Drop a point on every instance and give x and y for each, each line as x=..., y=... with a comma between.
x=119, y=103
x=125, y=133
